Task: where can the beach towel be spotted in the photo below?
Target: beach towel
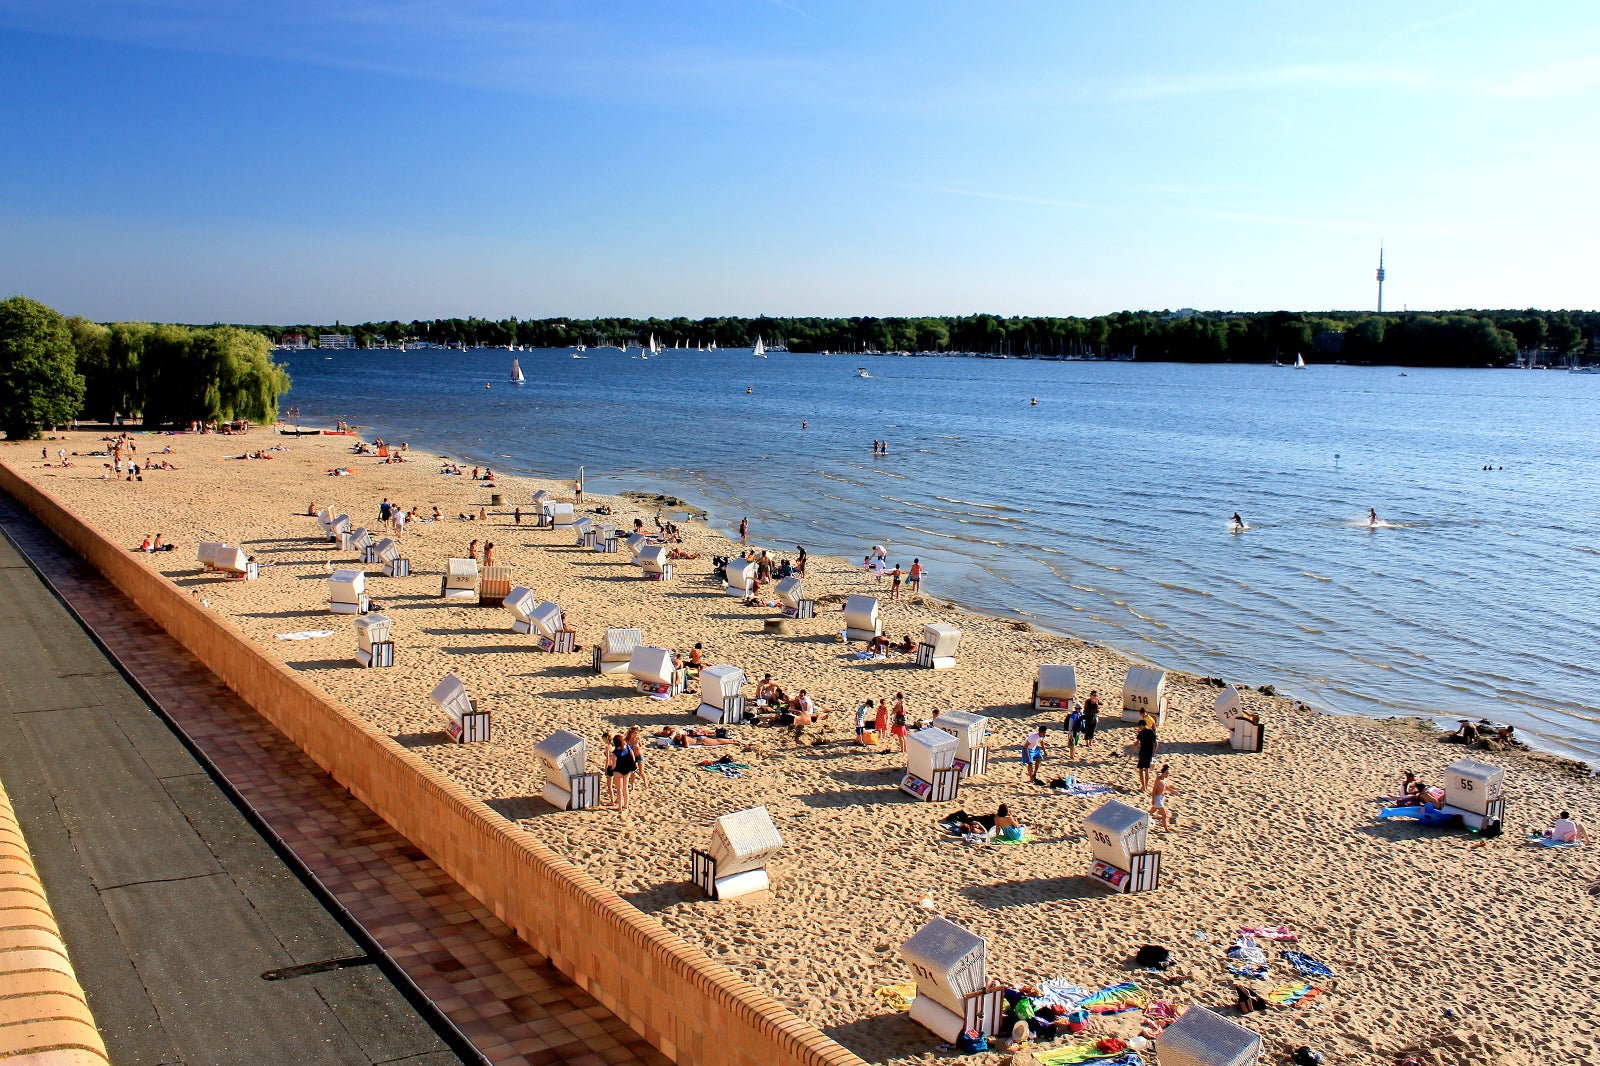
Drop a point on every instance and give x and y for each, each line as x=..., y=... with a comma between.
x=1294, y=993
x=306, y=634
x=1305, y=964
x=1543, y=841
x=1245, y=950
x=1087, y=1052
x=1254, y=973
x=725, y=769
x=897, y=997
x=1059, y=992
x=1268, y=932
x=1161, y=1011
x=1085, y=788
x=1116, y=999
x=1027, y=838
x=1400, y=812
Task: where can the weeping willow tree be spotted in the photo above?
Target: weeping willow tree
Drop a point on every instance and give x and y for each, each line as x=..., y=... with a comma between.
x=207, y=375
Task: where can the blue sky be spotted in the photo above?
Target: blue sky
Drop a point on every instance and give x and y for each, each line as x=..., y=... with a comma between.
x=312, y=160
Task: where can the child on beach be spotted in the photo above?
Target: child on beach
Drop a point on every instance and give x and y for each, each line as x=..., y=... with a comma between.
x=1074, y=726
x=880, y=722
x=864, y=709
x=1033, y=754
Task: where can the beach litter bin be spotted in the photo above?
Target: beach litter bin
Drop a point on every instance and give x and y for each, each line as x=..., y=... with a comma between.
x=394, y=564
x=652, y=672
x=970, y=731
x=347, y=592
x=789, y=595
x=1056, y=688
x=721, y=701
x=1119, y=841
x=568, y=785
x=464, y=722
x=937, y=650
x=521, y=601
x=374, y=640
x=496, y=500
x=1145, y=692
x=734, y=863
x=1202, y=1037
x=550, y=628
x=930, y=766
x=861, y=621
x=738, y=575
x=1476, y=791
x=653, y=560
x=614, y=651
x=950, y=966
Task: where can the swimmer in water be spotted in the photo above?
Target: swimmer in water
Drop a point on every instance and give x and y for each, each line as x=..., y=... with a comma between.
x=1372, y=516
x=1238, y=523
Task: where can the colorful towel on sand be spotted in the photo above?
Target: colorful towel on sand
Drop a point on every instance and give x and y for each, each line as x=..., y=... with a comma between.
x=306, y=634
x=897, y=997
x=1543, y=841
x=1086, y=788
x=1060, y=992
x=1077, y=1053
x=1027, y=838
x=1161, y=1011
x=726, y=769
x=1293, y=993
x=1268, y=932
x=1305, y=964
x=1253, y=973
x=1116, y=999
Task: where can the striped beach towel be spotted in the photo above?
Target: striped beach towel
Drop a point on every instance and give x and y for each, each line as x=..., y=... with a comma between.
x=1116, y=999
x=1079, y=1053
x=1292, y=994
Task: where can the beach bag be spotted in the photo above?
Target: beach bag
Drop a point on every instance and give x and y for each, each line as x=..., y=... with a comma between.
x=1249, y=1001
x=1024, y=1009
x=1491, y=829
x=1304, y=1056
x=970, y=1042
x=1152, y=957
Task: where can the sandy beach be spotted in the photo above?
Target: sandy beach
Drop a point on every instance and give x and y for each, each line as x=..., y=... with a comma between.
x=1456, y=949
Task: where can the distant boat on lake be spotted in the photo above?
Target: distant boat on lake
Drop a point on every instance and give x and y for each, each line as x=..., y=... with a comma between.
x=861, y=372
x=1299, y=361
x=761, y=349
x=516, y=373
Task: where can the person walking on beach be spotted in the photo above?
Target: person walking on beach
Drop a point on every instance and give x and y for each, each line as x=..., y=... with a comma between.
x=1033, y=754
x=1158, y=796
x=895, y=576
x=864, y=709
x=1145, y=743
x=744, y=530
x=1074, y=726
x=880, y=723
x=383, y=512
x=1091, y=717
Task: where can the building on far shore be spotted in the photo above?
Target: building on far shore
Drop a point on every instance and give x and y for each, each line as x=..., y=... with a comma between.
x=294, y=340
x=336, y=340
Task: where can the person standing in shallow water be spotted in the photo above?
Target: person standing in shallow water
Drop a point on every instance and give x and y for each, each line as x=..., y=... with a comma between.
x=744, y=530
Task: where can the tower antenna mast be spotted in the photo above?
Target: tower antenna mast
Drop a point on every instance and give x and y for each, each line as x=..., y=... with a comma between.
x=1380, y=278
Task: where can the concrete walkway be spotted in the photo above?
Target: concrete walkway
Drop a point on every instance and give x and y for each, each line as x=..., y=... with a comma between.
x=173, y=906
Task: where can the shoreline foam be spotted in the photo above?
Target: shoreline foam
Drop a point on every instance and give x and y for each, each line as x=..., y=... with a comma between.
x=1286, y=836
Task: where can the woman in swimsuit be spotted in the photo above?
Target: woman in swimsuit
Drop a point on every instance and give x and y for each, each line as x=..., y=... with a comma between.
x=620, y=764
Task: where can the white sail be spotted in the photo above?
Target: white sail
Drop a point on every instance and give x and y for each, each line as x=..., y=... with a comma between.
x=1299, y=361
x=516, y=372
x=761, y=349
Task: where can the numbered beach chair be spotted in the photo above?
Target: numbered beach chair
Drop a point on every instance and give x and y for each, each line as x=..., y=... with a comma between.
x=493, y=584
x=614, y=651
x=347, y=592
x=721, y=699
x=1145, y=692
x=950, y=966
x=568, y=784
x=654, y=563
x=652, y=672
x=790, y=596
x=464, y=722
x=460, y=580
x=931, y=773
x=374, y=640
x=1119, y=845
x=735, y=862
x=861, y=621
x=1056, y=688
x=971, y=731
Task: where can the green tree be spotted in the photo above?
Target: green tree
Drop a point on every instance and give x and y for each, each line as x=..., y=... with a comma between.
x=39, y=383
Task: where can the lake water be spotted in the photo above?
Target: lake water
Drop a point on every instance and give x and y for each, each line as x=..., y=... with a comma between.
x=1103, y=510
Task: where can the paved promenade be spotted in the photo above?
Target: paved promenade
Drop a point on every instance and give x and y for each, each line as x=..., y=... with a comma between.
x=173, y=905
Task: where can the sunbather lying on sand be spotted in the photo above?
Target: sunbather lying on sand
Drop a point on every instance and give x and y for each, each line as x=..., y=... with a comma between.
x=695, y=737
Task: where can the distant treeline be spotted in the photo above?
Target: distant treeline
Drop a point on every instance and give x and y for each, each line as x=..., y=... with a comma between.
x=1461, y=338
x=54, y=369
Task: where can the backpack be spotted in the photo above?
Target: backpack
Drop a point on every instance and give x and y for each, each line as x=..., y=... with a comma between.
x=1152, y=957
x=970, y=1042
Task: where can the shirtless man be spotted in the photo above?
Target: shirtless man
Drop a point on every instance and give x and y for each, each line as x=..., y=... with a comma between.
x=1159, y=791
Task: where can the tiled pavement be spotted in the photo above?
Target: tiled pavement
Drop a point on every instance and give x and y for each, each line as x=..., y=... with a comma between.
x=513, y=1006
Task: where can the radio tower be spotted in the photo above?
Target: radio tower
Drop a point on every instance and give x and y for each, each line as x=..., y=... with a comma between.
x=1380, y=279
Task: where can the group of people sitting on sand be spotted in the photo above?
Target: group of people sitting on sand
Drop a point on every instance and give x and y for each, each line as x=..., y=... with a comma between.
x=155, y=544
x=981, y=830
x=1484, y=734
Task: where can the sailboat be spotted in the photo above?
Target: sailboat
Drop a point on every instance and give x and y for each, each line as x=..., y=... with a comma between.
x=761, y=349
x=516, y=373
x=861, y=372
x=1299, y=361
